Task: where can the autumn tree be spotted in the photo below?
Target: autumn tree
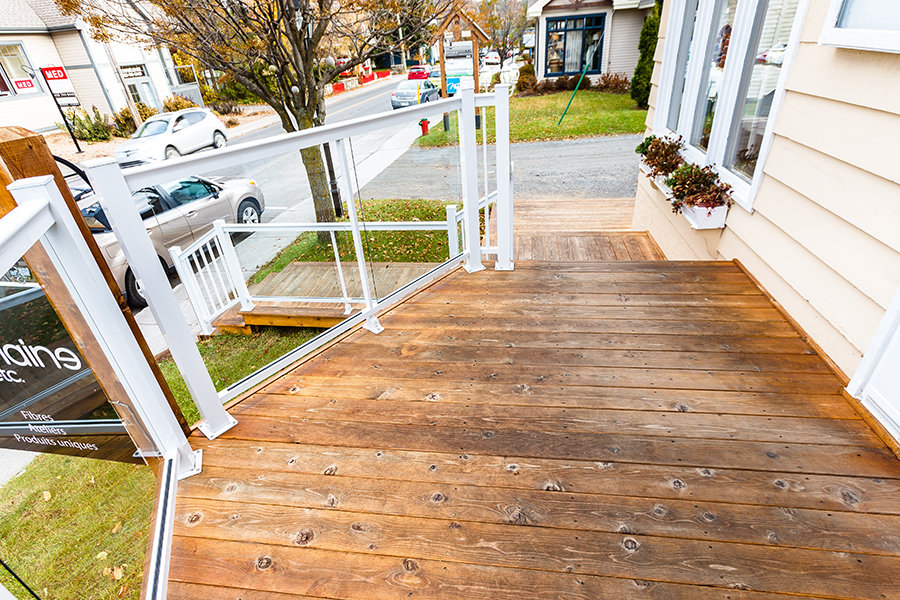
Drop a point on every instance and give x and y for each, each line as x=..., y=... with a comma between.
x=503, y=21
x=281, y=50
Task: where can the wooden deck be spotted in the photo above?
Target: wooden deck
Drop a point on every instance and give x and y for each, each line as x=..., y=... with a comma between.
x=601, y=430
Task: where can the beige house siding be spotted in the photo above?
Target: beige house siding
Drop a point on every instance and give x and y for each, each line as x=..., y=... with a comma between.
x=823, y=237
x=37, y=112
x=623, y=45
x=81, y=72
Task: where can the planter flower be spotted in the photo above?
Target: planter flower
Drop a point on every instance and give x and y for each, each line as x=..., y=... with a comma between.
x=700, y=196
x=661, y=155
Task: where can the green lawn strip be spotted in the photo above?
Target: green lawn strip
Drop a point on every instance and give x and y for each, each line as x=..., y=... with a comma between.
x=535, y=118
x=379, y=246
x=94, y=506
x=231, y=357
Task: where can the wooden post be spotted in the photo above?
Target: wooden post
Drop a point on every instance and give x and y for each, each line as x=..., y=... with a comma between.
x=443, y=69
x=475, y=62
x=26, y=154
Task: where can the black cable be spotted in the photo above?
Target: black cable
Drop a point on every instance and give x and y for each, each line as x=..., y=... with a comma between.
x=19, y=579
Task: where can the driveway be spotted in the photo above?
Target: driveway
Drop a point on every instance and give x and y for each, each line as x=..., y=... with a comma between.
x=598, y=167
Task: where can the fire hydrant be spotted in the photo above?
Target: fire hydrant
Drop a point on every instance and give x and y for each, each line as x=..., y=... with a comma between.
x=424, y=124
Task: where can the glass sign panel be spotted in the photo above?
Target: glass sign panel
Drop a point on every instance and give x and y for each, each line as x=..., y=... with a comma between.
x=50, y=399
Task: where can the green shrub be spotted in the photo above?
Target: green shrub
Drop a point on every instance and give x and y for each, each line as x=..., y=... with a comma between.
x=234, y=91
x=89, y=127
x=527, y=80
x=123, y=124
x=640, y=83
x=614, y=83
x=177, y=102
x=225, y=107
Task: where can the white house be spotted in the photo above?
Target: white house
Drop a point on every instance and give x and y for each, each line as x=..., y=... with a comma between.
x=571, y=33
x=34, y=34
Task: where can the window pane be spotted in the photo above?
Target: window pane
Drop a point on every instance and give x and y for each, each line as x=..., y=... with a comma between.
x=573, y=51
x=555, y=52
x=593, y=38
x=681, y=63
x=13, y=64
x=758, y=86
x=709, y=91
x=870, y=14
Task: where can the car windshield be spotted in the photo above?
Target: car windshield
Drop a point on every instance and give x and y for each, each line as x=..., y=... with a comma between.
x=152, y=127
x=409, y=86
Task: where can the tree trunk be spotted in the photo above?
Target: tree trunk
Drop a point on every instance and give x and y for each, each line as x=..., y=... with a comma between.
x=317, y=175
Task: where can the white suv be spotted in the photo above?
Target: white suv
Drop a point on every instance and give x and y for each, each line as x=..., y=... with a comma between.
x=170, y=135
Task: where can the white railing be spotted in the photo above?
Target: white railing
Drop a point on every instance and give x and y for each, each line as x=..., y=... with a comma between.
x=210, y=268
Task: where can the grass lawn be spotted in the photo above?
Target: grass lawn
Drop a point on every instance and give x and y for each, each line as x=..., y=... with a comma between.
x=70, y=526
x=379, y=246
x=231, y=357
x=534, y=119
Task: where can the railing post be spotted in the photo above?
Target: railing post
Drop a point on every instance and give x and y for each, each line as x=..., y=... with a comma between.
x=468, y=155
x=187, y=277
x=149, y=419
x=115, y=197
x=452, y=231
x=232, y=264
x=504, y=181
x=372, y=323
x=340, y=272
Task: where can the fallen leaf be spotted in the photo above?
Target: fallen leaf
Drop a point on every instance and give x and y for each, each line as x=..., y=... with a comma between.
x=92, y=481
x=118, y=573
x=117, y=528
x=107, y=571
x=47, y=496
x=102, y=555
x=122, y=591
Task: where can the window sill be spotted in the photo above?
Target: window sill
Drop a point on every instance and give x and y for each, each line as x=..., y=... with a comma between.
x=873, y=40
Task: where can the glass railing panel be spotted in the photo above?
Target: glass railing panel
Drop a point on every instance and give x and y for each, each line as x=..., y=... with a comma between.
x=407, y=176
x=75, y=495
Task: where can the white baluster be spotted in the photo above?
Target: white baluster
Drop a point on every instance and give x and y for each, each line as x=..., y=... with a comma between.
x=504, y=181
x=468, y=154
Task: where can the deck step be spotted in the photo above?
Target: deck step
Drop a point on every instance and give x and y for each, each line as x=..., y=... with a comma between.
x=294, y=314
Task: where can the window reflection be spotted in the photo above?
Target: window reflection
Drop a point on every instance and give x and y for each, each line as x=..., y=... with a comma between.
x=684, y=55
x=718, y=53
x=758, y=86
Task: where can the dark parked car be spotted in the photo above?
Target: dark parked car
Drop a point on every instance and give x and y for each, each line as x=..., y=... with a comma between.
x=414, y=91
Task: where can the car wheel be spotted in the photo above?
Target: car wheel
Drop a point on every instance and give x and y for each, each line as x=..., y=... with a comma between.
x=133, y=293
x=172, y=152
x=219, y=140
x=248, y=211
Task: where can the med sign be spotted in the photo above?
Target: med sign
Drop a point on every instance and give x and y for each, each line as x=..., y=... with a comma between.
x=60, y=86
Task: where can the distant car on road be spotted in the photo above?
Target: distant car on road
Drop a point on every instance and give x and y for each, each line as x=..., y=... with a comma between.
x=170, y=135
x=414, y=91
x=492, y=58
x=419, y=72
x=174, y=214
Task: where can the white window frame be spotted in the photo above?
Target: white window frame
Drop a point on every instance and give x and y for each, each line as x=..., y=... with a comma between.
x=746, y=14
x=8, y=78
x=879, y=40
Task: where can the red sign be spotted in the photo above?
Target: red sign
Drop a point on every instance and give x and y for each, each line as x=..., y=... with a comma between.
x=54, y=73
x=23, y=84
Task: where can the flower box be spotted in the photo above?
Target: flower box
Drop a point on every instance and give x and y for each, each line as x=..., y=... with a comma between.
x=705, y=218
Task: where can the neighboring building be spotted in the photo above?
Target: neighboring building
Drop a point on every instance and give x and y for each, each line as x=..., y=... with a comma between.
x=797, y=104
x=566, y=30
x=34, y=34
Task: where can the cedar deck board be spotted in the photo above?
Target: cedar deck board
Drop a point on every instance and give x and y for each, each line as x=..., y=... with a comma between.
x=495, y=443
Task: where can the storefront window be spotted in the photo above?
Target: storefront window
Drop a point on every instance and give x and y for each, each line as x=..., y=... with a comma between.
x=571, y=43
x=15, y=79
